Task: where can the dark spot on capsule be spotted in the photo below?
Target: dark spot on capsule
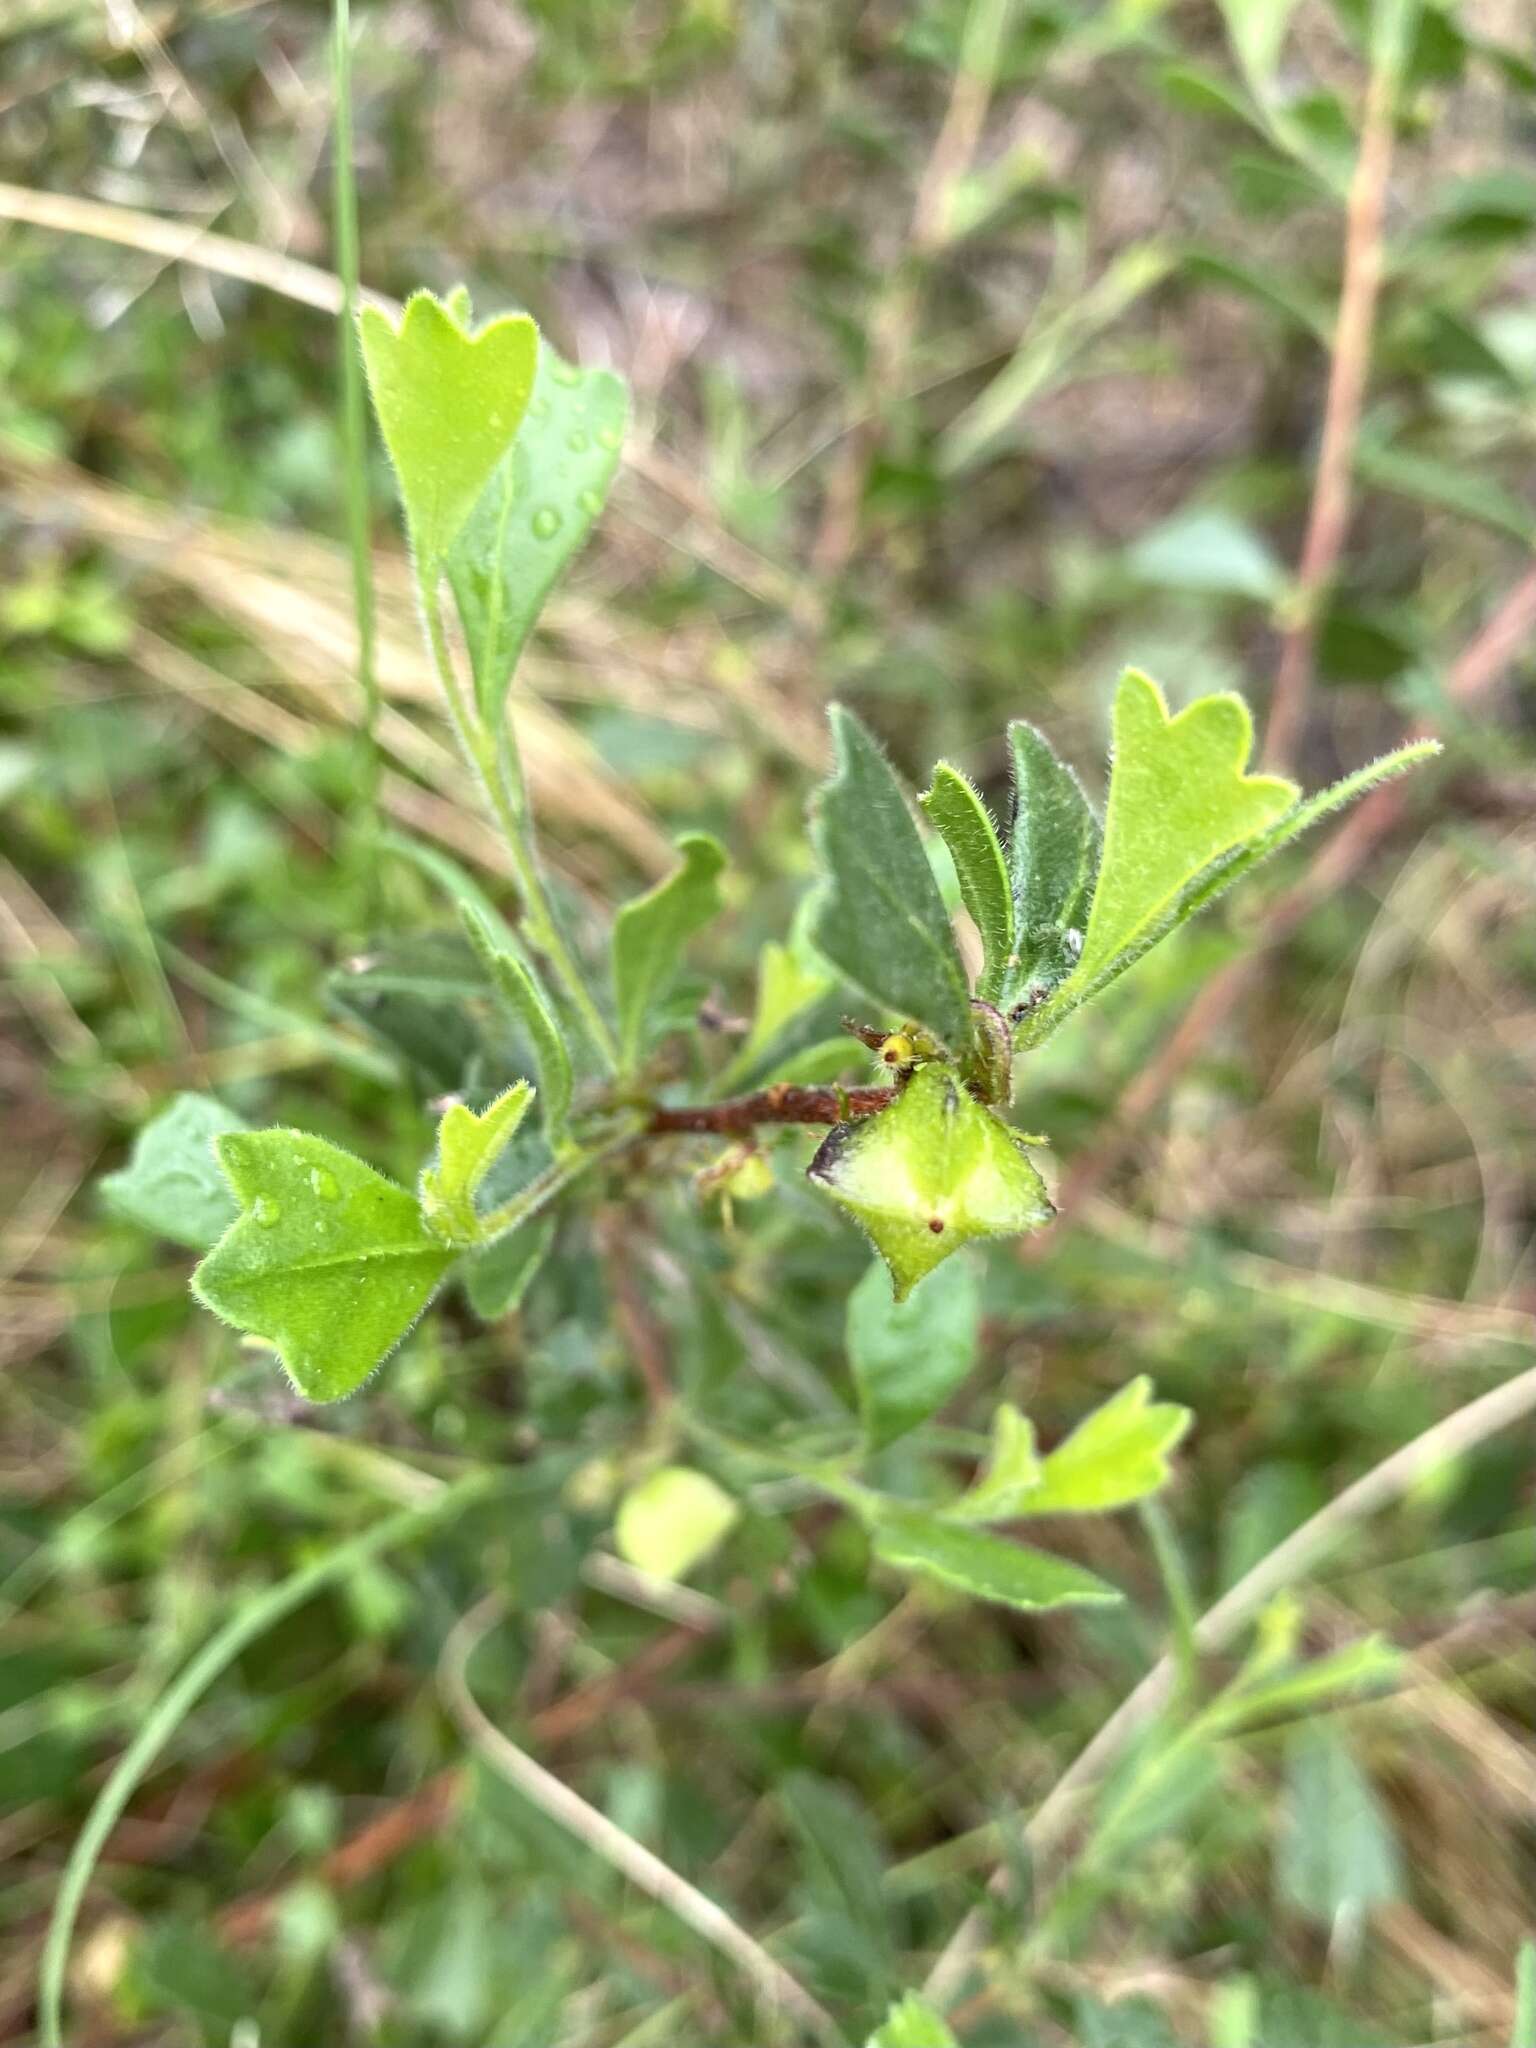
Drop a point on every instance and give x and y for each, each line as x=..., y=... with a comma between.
x=936, y=1225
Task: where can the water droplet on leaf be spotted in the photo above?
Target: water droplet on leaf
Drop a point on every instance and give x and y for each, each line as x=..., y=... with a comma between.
x=578, y=441
x=547, y=522
x=609, y=437
x=267, y=1212
x=324, y=1184
x=590, y=502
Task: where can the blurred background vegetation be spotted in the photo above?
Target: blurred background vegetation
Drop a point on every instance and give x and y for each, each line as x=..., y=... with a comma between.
x=976, y=351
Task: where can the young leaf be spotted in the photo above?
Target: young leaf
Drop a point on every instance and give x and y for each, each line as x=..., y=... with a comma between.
x=909, y=1356
x=672, y=1520
x=497, y=1278
x=1117, y=1455
x=982, y=1564
x=468, y=1146
x=786, y=987
x=328, y=1261
x=953, y=806
x=1338, y=1852
x=649, y=935
x=846, y=1867
x=515, y=982
x=1179, y=799
x=881, y=920
x=172, y=1184
x=1012, y=1474
x=449, y=405
x=912, y=2024
x=930, y=1173
x=1054, y=843
x=534, y=515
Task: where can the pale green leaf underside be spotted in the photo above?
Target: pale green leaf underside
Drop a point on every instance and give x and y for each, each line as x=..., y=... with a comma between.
x=172, y=1184
x=986, y=1566
x=328, y=1261
x=956, y=811
x=515, y=983
x=449, y=404
x=534, y=514
x=908, y=1357
x=880, y=919
x=649, y=935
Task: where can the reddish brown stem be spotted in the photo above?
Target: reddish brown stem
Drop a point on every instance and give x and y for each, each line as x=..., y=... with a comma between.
x=781, y=1104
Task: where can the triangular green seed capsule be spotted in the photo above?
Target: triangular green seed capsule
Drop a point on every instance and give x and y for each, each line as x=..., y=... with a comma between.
x=930, y=1174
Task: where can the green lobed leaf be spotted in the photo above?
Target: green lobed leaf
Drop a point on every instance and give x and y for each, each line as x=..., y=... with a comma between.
x=957, y=812
x=516, y=983
x=497, y=1278
x=534, y=515
x=649, y=935
x=909, y=1356
x=1116, y=1455
x=1179, y=799
x=328, y=1261
x=929, y=1174
x=672, y=1520
x=912, y=2024
x=469, y=1142
x=880, y=920
x=449, y=404
x=977, y=1562
x=1054, y=844
x=172, y=1184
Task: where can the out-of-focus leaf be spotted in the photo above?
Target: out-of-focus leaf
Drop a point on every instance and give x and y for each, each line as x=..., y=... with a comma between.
x=909, y=1356
x=449, y=404
x=672, y=1520
x=986, y=1566
x=328, y=1261
x=1448, y=487
x=846, y=1863
x=880, y=919
x=912, y=2024
x=1339, y=1852
x=172, y=1184
x=1117, y=1455
x=1210, y=551
x=649, y=935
